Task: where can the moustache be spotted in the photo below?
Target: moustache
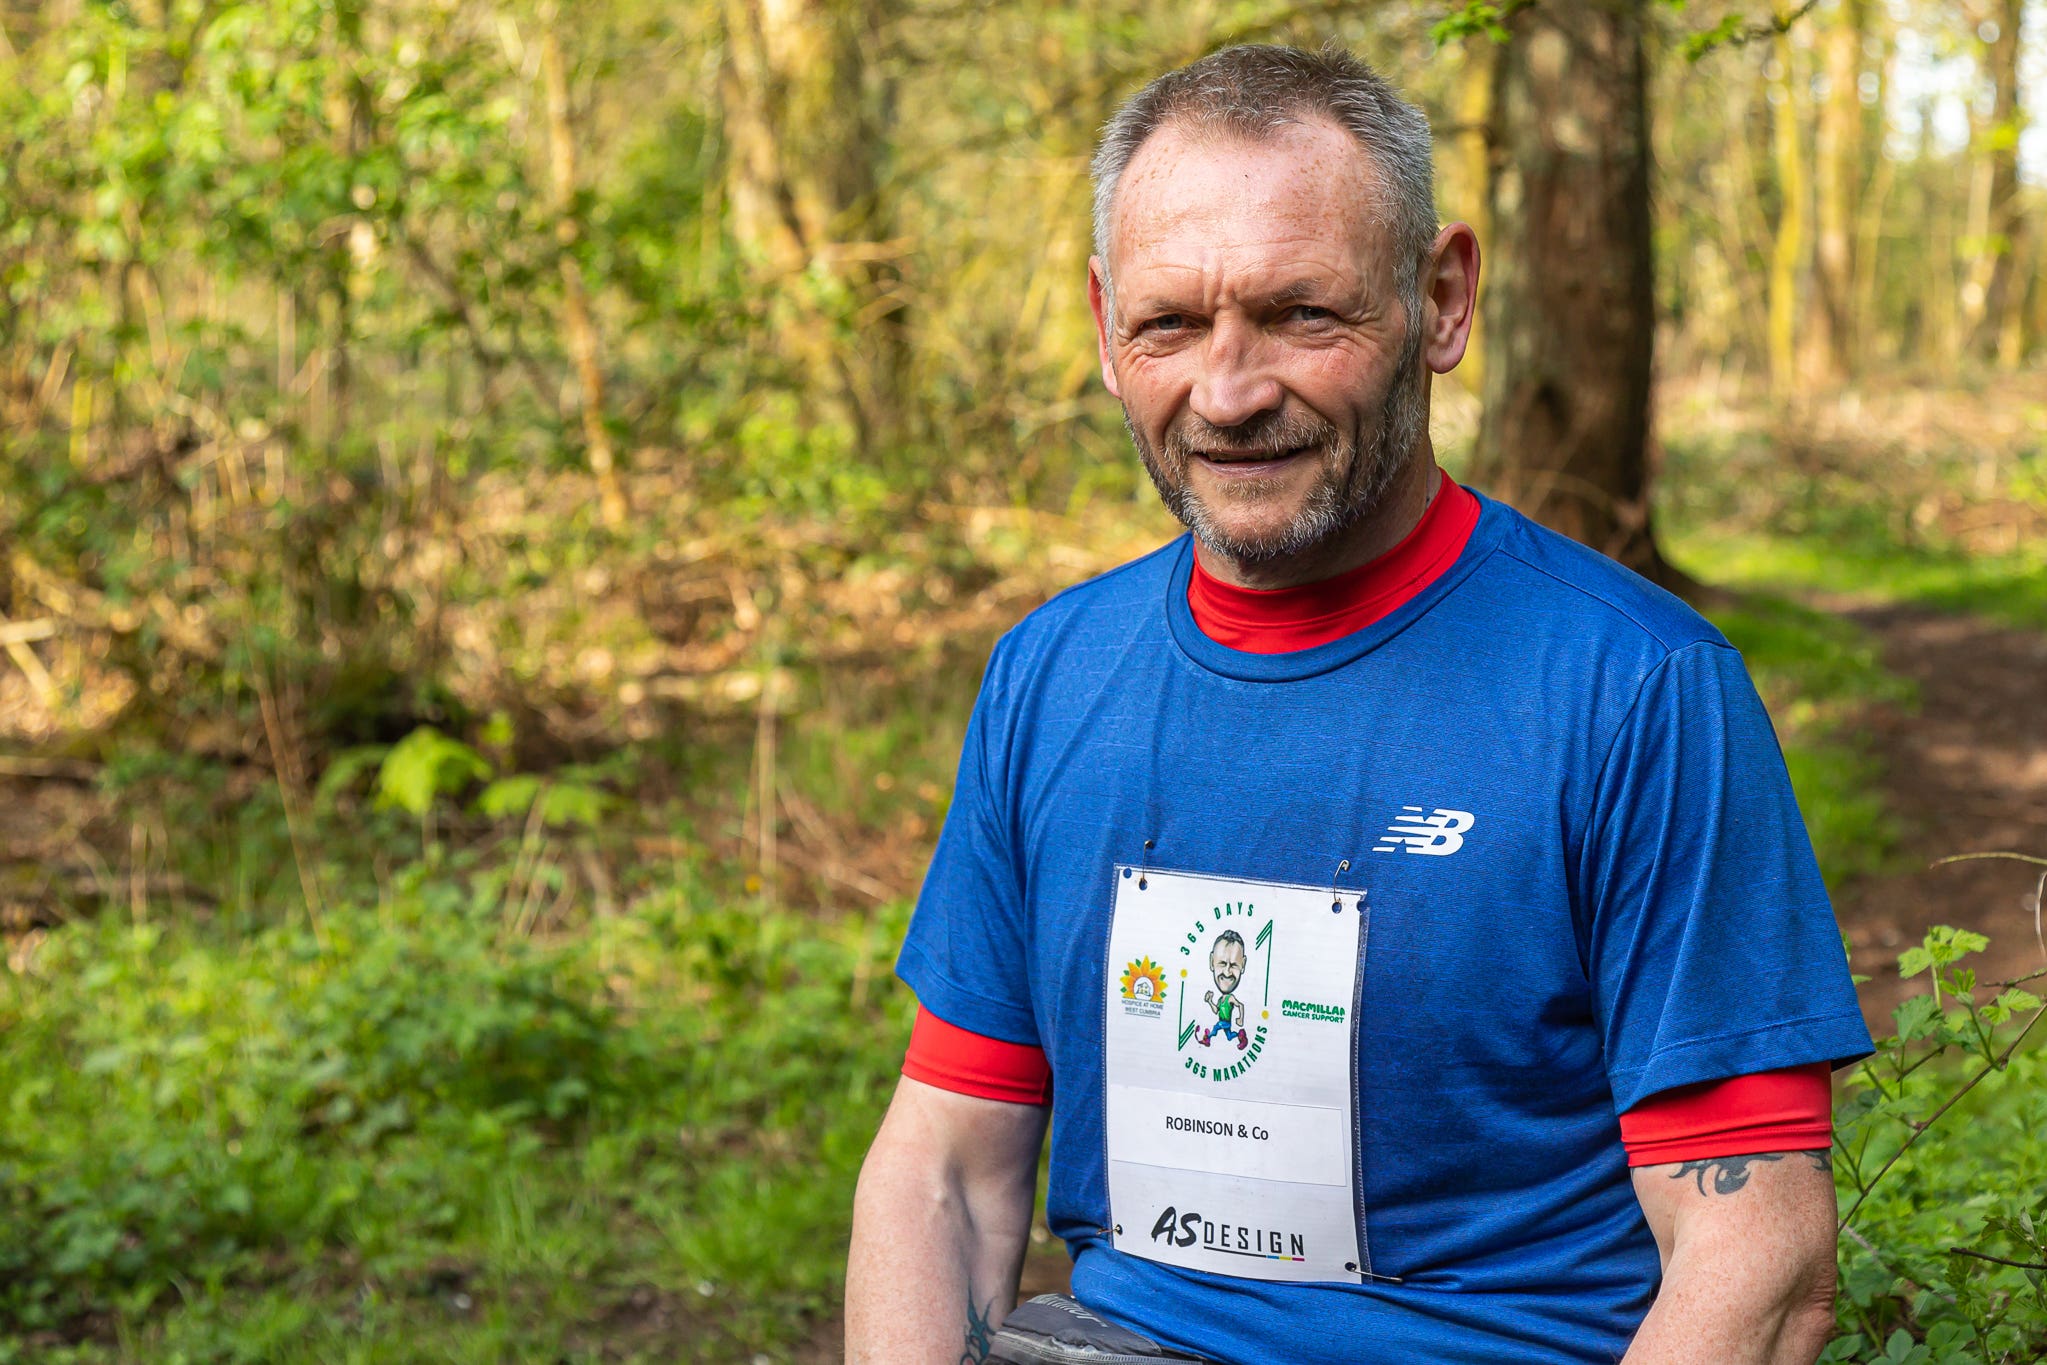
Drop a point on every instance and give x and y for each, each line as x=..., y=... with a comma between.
x=1269, y=434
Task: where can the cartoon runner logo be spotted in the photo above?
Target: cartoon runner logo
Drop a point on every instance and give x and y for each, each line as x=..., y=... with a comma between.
x=1226, y=1020
x=1226, y=964
x=1144, y=988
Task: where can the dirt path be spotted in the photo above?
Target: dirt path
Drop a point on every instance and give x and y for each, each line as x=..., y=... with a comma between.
x=1965, y=773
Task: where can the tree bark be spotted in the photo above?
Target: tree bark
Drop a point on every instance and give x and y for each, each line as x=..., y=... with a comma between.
x=1995, y=273
x=1787, y=251
x=1570, y=314
x=1837, y=161
x=579, y=329
x=805, y=121
x=1474, y=164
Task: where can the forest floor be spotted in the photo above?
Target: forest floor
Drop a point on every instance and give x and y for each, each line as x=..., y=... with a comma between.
x=1964, y=772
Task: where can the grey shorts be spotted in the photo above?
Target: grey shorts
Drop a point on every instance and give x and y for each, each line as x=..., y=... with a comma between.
x=1053, y=1329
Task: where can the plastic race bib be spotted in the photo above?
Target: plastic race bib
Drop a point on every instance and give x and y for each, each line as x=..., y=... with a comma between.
x=1231, y=1106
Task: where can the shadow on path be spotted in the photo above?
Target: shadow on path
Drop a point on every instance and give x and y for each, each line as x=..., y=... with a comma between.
x=1964, y=773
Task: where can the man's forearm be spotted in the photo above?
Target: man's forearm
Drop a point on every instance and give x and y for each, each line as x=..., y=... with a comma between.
x=1745, y=1282
x=938, y=1240
x=1710, y=1310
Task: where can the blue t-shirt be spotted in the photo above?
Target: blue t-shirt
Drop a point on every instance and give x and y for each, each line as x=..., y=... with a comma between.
x=1550, y=797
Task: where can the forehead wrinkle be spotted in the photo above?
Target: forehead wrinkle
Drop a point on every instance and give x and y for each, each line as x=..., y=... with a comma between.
x=1306, y=181
x=1328, y=163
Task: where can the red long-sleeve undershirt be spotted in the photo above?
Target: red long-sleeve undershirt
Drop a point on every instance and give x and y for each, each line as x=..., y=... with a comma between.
x=1773, y=1111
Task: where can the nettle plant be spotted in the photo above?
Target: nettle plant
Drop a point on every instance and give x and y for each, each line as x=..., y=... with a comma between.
x=1943, y=1179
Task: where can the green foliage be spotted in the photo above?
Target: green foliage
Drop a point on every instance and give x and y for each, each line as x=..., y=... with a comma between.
x=425, y=766
x=1751, y=512
x=561, y=804
x=192, y=1122
x=1940, y=1177
x=1821, y=675
x=1474, y=18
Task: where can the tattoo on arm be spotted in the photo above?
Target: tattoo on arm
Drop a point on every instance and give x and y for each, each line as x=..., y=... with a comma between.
x=1730, y=1173
x=980, y=1334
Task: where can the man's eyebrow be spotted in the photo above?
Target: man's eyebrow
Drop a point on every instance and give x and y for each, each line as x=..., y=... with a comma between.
x=1151, y=305
x=1309, y=287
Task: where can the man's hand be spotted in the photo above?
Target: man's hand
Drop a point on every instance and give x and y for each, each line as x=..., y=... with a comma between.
x=940, y=1222
x=1747, y=1244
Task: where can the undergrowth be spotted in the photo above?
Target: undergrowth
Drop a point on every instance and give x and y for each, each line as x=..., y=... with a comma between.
x=414, y=1135
x=1821, y=676
x=1949, y=523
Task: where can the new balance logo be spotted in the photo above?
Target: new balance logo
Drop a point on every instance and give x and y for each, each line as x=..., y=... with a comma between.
x=1440, y=833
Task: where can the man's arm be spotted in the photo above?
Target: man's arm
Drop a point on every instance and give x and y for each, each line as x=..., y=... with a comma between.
x=1747, y=1244
x=940, y=1222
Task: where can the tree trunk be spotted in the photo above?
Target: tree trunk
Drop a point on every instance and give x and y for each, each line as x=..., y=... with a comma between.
x=1995, y=275
x=1570, y=313
x=805, y=123
x=1787, y=252
x=1837, y=162
x=1474, y=165
x=579, y=329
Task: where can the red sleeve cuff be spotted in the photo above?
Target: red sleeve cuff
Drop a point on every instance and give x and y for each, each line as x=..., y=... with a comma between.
x=970, y=1064
x=1790, y=1110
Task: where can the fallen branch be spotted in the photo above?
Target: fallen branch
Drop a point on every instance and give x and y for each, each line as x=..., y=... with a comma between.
x=26, y=632
x=53, y=769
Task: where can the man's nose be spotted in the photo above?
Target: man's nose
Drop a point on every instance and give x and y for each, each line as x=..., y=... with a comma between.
x=1236, y=382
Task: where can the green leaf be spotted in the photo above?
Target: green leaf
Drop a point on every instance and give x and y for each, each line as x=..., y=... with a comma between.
x=1697, y=45
x=1475, y=17
x=424, y=766
x=573, y=803
x=1944, y=944
x=1913, y=961
x=2009, y=1002
x=1918, y=1017
x=346, y=767
x=509, y=797
x=562, y=804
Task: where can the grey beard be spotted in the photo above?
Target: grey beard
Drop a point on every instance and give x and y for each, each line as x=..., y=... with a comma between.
x=1355, y=476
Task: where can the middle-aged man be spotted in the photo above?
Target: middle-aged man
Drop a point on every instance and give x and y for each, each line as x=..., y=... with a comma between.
x=1538, y=983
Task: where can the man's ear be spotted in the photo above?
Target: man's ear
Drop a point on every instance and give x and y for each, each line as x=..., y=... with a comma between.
x=1449, y=296
x=1098, y=300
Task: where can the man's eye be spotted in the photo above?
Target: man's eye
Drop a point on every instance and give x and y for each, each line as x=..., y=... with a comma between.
x=1308, y=312
x=1165, y=322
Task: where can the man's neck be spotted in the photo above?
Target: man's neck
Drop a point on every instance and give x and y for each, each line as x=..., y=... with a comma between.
x=1399, y=512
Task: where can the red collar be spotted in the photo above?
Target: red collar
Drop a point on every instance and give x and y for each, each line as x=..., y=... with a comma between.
x=1279, y=620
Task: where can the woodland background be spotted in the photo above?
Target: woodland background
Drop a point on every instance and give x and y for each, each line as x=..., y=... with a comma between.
x=504, y=505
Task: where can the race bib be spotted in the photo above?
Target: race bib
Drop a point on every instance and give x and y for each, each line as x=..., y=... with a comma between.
x=1231, y=1106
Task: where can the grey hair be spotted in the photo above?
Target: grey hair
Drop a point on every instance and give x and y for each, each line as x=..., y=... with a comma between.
x=1252, y=92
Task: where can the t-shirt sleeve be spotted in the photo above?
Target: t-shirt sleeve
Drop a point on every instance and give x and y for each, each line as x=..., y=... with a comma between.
x=1711, y=945
x=964, y=955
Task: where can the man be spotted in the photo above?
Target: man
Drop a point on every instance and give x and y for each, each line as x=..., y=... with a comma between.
x=1226, y=965
x=1541, y=981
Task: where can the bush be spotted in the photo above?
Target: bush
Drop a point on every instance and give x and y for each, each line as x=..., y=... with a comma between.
x=1943, y=1180
x=678, y=1097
